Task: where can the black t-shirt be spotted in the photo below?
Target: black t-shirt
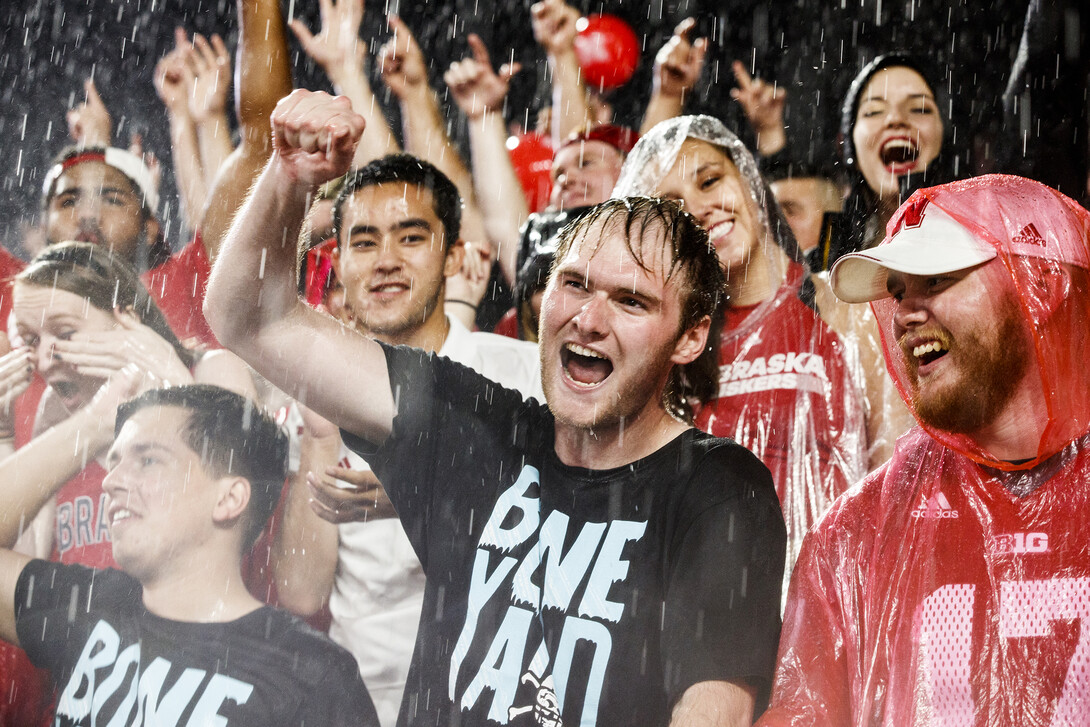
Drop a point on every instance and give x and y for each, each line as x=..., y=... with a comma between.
x=598, y=594
x=112, y=660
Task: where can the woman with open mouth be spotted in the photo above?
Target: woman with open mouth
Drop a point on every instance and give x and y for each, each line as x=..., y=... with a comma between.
x=784, y=390
x=892, y=133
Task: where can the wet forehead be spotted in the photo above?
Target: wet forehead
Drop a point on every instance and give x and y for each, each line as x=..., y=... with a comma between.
x=386, y=205
x=91, y=177
x=896, y=82
x=694, y=156
x=588, y=150
x=153, y=426
x=601, y=254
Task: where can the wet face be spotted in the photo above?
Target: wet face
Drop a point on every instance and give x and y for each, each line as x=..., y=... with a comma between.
x=93, y=202
x=584, y=174
x=897, y=130
x=44, y=316
x=965, y=348
x=804, y=201
x=394, y=260
x=706, y=180
x=157, y=486
x=610, y=330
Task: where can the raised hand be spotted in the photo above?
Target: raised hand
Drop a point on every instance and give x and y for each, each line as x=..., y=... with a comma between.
x=210, y=70
x=358, y=498
x=470, y=283
x=337, y=46
x=761, y=101
x=103, y=354
x=553, y=23
x=173, y=77
x=475, y=87
x=315, y=135
x=90, y=123
x=678, y=64
x=16, y=370
x=401, y=61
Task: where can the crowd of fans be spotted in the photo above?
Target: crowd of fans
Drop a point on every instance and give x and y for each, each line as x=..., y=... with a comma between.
x=420, y=246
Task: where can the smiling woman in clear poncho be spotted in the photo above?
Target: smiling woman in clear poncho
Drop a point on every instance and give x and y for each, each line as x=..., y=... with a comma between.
x=784, y=389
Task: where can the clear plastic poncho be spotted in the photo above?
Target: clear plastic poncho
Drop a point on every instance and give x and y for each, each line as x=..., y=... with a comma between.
x=951, y=587
x=785, y=389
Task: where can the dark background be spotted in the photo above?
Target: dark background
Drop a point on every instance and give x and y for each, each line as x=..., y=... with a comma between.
x=813, y=47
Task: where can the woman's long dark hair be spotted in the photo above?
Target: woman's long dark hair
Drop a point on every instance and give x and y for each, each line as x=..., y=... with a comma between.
x=105, y=280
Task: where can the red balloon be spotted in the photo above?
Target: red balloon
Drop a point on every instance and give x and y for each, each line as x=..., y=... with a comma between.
x=532, y=156
x=608, y=50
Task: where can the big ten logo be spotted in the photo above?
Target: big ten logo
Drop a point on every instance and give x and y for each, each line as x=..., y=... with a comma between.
x=1020, y=543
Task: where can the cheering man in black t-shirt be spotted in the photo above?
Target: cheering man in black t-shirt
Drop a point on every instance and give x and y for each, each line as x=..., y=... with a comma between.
x=595, y=561
x=193, y=476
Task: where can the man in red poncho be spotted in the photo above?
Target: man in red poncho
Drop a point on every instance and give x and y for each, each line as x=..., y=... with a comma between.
x=953, y=586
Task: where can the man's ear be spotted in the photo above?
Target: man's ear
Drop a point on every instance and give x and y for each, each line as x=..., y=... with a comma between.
x=233, y=498
x=456, y=254
x=151, y=229
x=692, y=341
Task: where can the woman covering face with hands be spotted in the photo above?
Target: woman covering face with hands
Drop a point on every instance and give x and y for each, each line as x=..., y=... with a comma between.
x=85, y=322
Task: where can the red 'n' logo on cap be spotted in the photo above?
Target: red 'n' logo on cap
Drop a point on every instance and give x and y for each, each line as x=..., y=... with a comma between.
x=913, y=215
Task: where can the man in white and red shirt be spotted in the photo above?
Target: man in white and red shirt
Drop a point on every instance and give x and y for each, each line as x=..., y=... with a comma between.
x=952, y=587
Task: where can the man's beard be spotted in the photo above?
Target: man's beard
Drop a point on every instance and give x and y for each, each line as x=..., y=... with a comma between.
x=991, y=366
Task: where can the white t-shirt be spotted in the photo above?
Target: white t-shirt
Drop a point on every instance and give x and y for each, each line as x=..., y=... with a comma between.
x=378, y=588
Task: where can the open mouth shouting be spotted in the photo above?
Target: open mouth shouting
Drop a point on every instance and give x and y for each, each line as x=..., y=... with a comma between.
x=899, y=154
x=584, y=367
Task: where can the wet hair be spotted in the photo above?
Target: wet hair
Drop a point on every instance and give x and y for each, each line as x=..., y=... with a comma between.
x=156, y=251
x=233, y=436
x=103, y=279
x=407, y=169
x=692, y=256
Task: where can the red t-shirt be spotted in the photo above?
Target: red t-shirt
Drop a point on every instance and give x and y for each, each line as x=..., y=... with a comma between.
x=786, y=395
x=178, y=286
x=935, y=595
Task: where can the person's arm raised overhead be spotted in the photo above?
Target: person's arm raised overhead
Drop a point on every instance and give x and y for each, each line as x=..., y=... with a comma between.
x=173, y=81
x=425, y=132
x=479, y=92
x=762, y=104
x=553, y=23
x=337, y=48
x=262, y=77
x=90, y=123
x=210, y=67
x=252, y=302
x=678, y=65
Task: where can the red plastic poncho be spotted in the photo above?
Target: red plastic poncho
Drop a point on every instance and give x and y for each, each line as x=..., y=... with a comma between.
x=951, y=588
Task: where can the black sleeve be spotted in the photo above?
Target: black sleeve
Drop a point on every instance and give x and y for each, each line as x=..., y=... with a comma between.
x=722, y=620
x=446, y=414
x=53, y=600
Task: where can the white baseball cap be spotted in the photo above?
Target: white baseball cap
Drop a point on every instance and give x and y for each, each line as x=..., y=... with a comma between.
x=935, y=244
x=123, y=161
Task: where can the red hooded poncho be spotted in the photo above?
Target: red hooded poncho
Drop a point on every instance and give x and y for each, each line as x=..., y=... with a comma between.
x=951, y=588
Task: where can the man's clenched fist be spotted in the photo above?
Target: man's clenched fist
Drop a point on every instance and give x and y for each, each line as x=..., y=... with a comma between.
x=315, y=135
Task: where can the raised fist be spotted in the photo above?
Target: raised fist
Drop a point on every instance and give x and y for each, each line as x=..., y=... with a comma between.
x=315, y=135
